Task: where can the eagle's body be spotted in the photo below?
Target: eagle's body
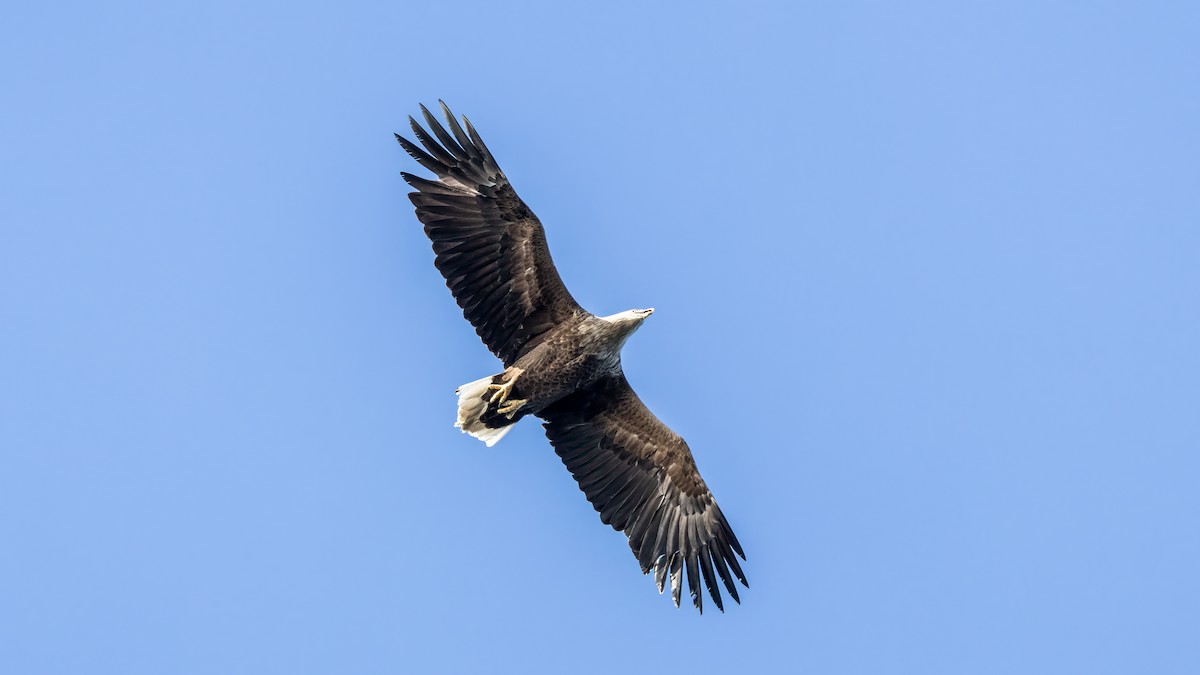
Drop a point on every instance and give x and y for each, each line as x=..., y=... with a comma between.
x=574, y=356
x=562, y=364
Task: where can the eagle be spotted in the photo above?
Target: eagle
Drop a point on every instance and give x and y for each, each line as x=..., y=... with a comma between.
x=563, y=365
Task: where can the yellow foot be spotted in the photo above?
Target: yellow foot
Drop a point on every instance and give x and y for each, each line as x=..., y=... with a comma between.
x=502, y=391
x=511, y=407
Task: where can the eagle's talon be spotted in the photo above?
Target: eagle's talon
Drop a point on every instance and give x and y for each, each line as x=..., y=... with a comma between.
x=511, y=407
x=503, y=391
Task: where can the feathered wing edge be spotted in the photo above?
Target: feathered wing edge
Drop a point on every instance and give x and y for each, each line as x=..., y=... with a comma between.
x=641, y=478
x=460, y=159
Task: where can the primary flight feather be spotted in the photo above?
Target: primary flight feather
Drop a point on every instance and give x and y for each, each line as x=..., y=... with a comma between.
x=563, y=364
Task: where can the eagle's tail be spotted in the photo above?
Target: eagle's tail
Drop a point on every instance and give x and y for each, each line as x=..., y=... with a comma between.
x=480, y=415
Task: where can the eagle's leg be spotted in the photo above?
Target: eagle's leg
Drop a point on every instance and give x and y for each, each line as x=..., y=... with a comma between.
x=502, y=391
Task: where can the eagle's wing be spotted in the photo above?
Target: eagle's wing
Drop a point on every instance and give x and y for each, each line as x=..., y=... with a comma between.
x=642, y=479
x=490, y=247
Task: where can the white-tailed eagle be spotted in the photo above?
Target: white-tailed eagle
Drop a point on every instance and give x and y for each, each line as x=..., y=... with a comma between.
x=563, y=364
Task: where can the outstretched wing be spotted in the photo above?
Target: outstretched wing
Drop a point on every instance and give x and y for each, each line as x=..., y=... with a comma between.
x=490, y=247
x=642, y=479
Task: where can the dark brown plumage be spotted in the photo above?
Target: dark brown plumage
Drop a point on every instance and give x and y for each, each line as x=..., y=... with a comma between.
x=642, y=479
x=563, y=364
x=490, y=247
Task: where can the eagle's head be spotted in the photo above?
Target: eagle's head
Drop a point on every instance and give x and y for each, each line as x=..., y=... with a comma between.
x=629, y=320
x=636, y=316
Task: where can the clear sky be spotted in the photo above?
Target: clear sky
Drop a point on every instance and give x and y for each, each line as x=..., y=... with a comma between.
x=927, y=281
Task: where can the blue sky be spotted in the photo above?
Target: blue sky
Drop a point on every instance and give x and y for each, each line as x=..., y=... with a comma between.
x=926, y=277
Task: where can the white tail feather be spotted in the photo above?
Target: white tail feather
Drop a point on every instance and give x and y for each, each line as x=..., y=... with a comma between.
x=471, y=407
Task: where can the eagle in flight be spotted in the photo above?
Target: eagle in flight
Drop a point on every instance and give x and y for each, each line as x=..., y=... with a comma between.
x=562, y=364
